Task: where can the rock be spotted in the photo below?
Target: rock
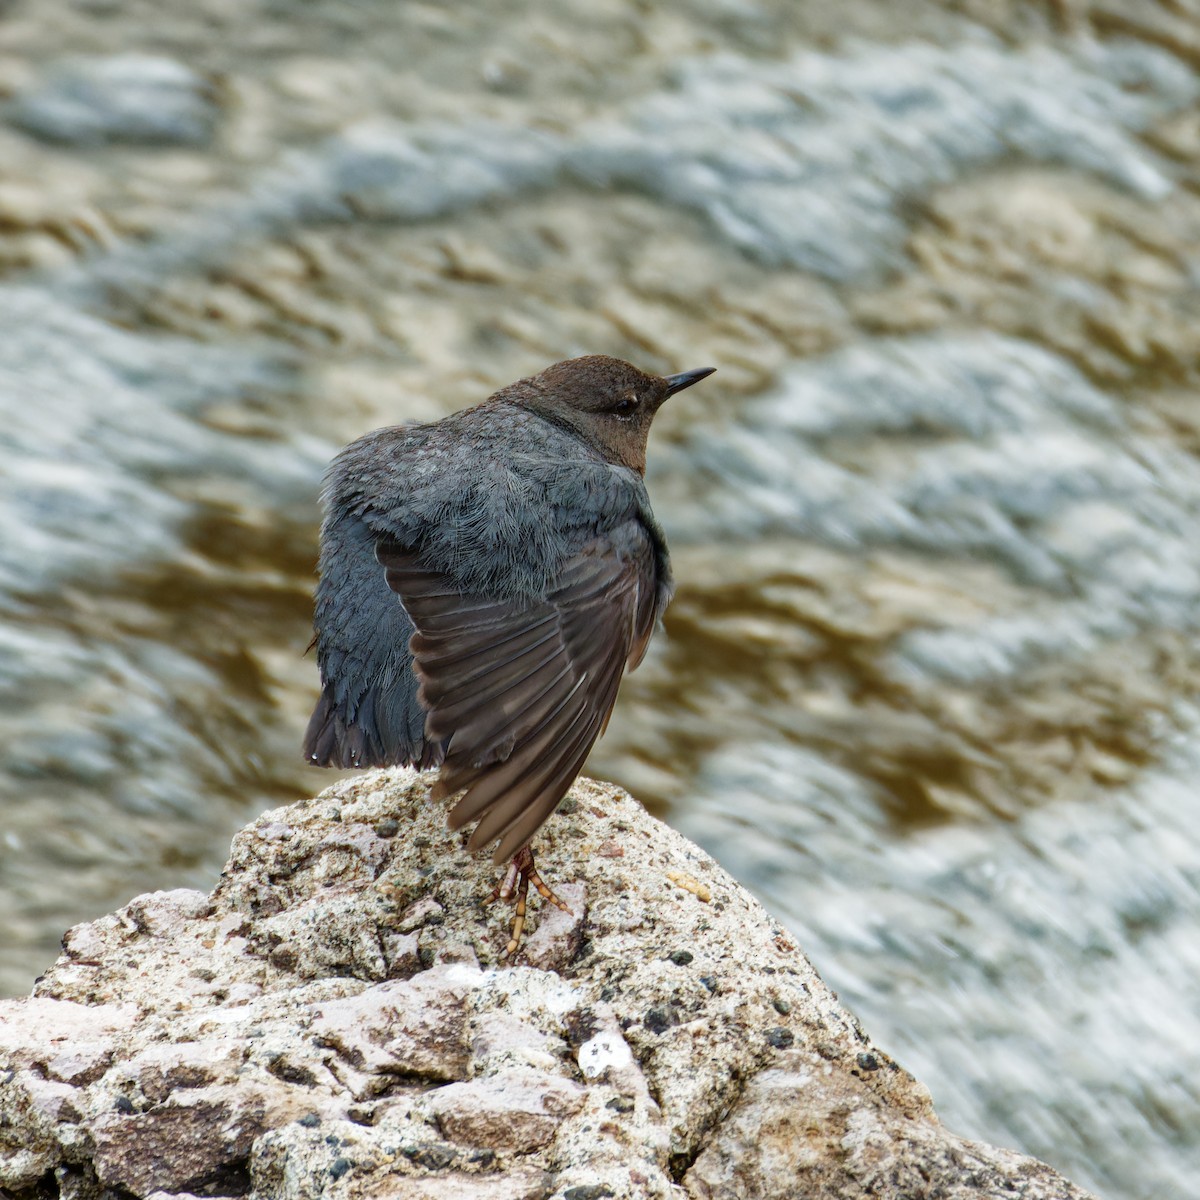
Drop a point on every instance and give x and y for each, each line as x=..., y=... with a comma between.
x=796, y=1130
x=511, y=1110
x=190, y=1141
x=406, y=1027
x=32, y=1112
x=337, y=1020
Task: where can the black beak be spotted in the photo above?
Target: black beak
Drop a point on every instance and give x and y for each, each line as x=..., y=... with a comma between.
x=685, y=379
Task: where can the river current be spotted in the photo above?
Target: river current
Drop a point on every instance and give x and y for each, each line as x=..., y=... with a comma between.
x=929, y=683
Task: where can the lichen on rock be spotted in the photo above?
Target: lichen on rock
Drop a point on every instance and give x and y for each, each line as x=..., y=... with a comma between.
x=337, y=1020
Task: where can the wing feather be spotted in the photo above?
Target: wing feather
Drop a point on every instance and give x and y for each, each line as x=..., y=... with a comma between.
x=519, y=689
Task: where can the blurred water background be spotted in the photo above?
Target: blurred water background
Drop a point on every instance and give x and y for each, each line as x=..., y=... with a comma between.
x=930, y=680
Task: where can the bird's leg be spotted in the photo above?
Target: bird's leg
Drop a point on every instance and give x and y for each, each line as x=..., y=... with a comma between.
x=520, y=874
x=523, y=861
x=504, y=891
x=518, y=925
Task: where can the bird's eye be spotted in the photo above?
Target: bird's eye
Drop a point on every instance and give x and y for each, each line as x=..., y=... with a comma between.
x=625, y=406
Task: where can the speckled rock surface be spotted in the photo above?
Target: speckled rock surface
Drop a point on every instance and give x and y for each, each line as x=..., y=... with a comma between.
x=335, y=1020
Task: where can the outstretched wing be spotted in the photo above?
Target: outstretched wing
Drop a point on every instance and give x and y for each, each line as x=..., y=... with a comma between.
x=518, y=689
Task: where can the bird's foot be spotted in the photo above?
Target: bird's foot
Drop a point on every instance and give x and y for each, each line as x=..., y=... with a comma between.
x=515, y=890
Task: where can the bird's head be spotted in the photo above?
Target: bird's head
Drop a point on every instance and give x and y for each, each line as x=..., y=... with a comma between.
x=608, y=401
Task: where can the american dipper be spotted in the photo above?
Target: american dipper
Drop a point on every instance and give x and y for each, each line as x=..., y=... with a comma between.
x=485, y=580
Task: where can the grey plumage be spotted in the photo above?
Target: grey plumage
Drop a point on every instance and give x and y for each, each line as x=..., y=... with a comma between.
x=485, y=580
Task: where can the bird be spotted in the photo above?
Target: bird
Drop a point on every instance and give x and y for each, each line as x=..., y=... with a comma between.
x=484, y=582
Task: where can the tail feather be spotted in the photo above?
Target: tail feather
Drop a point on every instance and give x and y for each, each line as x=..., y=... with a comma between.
x=368, y=714
x=366, y=739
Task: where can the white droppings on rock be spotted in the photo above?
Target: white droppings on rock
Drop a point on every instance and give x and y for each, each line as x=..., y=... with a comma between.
x=606, y=1051
x=466, y=974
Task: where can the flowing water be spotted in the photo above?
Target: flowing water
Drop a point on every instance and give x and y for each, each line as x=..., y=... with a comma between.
x=929, y=684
